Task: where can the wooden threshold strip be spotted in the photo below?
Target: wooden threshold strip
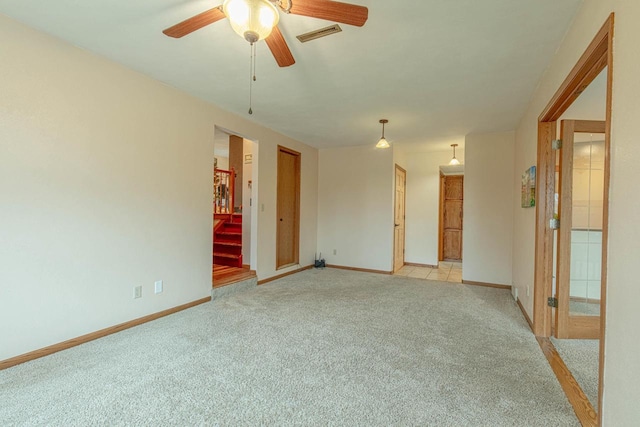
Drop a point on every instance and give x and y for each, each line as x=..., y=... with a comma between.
x=581, y=405
x=224, y=275
x=486, y=285
x=362, y=270
x=280, y=276
x=46, y=351
x=415, y=264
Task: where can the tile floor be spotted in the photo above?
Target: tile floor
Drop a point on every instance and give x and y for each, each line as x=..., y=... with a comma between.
x=446, y=272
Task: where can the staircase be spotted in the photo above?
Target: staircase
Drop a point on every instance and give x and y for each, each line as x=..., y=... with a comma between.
x=227, y=240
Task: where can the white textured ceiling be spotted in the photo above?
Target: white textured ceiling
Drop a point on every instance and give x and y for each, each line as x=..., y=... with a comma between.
x=437, y=69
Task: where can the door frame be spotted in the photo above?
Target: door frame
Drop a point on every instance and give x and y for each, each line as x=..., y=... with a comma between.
x=296, y=226
x=598, y=55
x=443, y=186
x=404, y=204
x=441, y=218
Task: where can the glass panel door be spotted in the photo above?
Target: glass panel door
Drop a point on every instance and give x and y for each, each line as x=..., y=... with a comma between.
x=579, y=239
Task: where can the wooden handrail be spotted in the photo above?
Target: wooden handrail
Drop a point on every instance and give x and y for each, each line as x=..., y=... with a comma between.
x=223, y=190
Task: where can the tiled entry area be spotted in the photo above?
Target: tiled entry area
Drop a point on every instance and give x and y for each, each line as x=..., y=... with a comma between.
x=446, y=272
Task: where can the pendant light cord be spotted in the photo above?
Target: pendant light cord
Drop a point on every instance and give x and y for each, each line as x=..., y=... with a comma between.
x=252, y=75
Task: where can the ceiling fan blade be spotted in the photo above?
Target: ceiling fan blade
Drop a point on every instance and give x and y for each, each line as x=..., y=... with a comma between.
x=344, y=13
x=194, y=23
x=279, y=48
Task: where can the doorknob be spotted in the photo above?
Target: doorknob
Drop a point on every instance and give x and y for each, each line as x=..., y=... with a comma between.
x=280, y=219
x=397, y=225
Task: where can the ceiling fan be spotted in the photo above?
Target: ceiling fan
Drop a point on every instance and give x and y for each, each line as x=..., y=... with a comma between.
x=258, y=19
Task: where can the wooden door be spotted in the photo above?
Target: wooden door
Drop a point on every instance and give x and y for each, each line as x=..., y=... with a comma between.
x=581, y=249
x=399, y=219
x=451, y=208
x=288, y=208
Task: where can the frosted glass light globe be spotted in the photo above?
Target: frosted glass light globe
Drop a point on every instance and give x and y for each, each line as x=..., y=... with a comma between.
x=251, y=19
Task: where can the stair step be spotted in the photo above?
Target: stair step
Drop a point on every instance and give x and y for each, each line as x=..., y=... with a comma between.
x=227, y=243
x=228, y=233
x=230, y=256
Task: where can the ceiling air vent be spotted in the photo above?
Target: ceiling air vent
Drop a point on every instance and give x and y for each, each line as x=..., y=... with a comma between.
x=322, y=32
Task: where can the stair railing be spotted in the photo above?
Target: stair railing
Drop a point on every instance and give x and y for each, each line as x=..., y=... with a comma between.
x=223, y=190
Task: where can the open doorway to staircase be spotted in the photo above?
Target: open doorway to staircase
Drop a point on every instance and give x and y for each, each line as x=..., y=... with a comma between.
x=234, y=214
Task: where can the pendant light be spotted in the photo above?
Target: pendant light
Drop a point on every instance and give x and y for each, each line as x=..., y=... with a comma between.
x=454, y=161
x=383, y=143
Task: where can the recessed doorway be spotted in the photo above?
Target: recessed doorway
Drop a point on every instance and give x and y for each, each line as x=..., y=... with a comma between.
x=288, y=205
x=234, y=211
x=451, y=217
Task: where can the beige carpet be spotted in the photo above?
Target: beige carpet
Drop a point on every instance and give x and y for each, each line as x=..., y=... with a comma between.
x=582, y=359
x=323, y=347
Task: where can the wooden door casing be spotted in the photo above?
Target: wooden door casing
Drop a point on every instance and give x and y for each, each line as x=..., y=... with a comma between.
x=288, y=208
x=399, y=218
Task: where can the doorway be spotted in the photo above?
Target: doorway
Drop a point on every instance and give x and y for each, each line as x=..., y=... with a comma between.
x=597, y=59
x=399, y=219
x=288, y=208
x=451, y=217
x=234, y=226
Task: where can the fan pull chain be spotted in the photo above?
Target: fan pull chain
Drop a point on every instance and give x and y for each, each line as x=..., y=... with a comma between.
x=255, y=58
x=252, y=75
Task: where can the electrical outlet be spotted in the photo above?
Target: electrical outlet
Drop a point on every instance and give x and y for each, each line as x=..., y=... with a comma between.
x=158, y=286
x=137, y=292
x=335, y=252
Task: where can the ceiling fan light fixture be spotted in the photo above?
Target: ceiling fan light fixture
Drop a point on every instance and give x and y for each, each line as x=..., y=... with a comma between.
x=454, y=161
x=252, y=20
x=383, y=143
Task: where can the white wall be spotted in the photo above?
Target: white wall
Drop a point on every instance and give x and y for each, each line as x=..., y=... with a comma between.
x=622, y=370
x=488, y=214
x=223, y=162
x=105, y=176
x=423, y=200
x=248, y=207
x=355, y=207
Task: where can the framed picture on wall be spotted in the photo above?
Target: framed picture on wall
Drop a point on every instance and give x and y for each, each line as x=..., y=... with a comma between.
x=528, y=196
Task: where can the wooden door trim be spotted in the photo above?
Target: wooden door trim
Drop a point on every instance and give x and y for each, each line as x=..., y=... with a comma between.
x=598, y=55
x=441, y=219
x=296, y=227
x=565, y=207
x=404, y=203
